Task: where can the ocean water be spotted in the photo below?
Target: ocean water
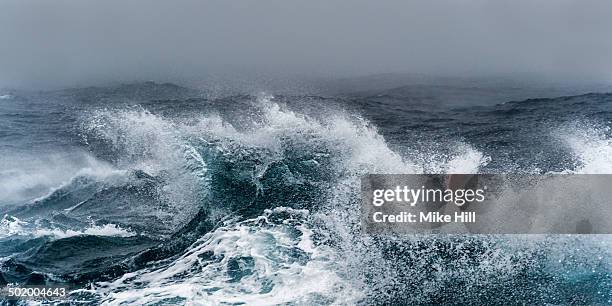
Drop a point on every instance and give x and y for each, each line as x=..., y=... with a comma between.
x=157, y=194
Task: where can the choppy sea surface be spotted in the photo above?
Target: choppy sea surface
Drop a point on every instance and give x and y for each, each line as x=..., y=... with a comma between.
x=154, y=194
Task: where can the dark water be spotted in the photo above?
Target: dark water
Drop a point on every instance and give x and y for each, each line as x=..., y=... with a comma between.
x=153, y=193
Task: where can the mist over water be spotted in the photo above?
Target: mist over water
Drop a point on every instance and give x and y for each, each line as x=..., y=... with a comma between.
x=71, y=43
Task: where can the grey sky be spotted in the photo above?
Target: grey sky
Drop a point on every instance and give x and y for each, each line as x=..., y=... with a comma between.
x=64, y=43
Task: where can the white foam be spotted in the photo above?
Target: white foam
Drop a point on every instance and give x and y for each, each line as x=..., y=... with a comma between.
x=110, y=230
x=467, y=161
x=13, y=226
x=591, y=145
x=10, y=226
x=267, y=256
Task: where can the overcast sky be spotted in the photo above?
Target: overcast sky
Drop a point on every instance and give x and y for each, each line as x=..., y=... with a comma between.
x=64, y=43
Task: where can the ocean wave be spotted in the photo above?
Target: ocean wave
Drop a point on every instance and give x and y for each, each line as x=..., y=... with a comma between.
x=282, y=149
x=267, y=212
